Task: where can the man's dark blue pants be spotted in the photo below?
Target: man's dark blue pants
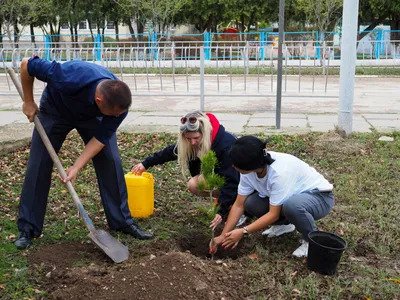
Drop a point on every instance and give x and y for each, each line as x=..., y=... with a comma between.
x=107, y=163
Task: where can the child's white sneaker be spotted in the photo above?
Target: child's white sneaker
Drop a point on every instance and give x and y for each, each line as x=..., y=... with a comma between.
x=241, y=221
x=302, y=251
x=277, y=230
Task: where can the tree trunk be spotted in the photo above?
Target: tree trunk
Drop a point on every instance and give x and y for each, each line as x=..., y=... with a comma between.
x=201, y=27
x=249, y=25
x=140, y=29
x=56, y=38
x=1, y=35
x=16, y=34
x=241, y=36
x=76, y=34
x=369, y=28
x=76, y=37
x=116, y=30
x=32, y=36
x=44, y=30
x=322, y=45
x=131, y=30
x=51, y=35
x=214, y=26
x=71, y=31
x=102, y=34
x=251, y=21
x=395, y=25
x=91, y=30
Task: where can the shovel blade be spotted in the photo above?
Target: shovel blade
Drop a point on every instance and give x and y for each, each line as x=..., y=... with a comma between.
x=111, y=246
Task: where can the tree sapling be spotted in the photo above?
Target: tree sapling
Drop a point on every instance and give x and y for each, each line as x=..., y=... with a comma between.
x=211, y=182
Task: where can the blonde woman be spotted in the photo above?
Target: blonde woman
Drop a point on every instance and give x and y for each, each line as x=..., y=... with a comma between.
x=199, y=133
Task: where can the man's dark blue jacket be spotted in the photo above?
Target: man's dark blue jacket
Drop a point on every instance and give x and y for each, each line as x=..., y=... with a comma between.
x=70, y=91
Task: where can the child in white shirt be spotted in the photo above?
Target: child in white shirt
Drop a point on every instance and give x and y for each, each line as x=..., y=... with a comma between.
x=278, y=189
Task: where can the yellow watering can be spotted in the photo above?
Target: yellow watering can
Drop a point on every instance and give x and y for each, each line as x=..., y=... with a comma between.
x=140, y=194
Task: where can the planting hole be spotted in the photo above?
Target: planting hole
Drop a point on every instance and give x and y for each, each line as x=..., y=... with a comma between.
x=197, y=244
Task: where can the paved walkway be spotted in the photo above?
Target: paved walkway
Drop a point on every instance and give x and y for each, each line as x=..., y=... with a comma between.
x=371, y=94
x=15, y=130
x=247, y=110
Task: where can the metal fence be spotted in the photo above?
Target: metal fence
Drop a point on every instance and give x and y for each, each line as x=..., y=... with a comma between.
x=218, y=50
x=223, y=69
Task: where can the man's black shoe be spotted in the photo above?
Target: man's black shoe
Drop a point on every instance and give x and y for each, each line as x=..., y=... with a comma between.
x=24, y=240
x=136, y=232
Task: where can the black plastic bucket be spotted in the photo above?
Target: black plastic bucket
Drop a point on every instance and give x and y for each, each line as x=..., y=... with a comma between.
x=324, y=252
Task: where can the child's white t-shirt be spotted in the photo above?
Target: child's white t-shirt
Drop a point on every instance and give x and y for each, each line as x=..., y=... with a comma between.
x=286, y=176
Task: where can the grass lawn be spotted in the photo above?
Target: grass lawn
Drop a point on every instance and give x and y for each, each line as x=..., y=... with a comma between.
x=364, y=171
x=265, y=69
x=261, y=71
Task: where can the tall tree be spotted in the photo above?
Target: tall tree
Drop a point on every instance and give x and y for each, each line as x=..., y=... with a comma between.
x=74, y=15
x=250, y=13
x=375, y=12
x=325, y=14
x=162, y=13
x=12, y=16
x=206, y=14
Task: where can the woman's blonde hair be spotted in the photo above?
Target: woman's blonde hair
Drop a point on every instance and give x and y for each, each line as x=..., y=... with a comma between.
x=184, y=149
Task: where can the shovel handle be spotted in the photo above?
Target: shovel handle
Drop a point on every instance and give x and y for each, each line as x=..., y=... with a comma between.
x=39, y=127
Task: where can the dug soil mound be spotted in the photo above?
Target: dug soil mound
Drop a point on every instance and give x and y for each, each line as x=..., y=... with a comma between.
x=80, y=271
x=332, y=142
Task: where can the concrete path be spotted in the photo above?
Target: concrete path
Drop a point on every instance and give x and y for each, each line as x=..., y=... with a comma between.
x=15, y=130
x=251, y=94
x=242, y=111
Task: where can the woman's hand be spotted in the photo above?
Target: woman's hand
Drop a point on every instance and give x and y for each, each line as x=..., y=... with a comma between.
x=216, y=221
x=214, y=244
x=138, y=169
x=232, y=238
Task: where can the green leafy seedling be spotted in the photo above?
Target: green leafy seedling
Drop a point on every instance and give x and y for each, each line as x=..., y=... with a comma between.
x=212, y=181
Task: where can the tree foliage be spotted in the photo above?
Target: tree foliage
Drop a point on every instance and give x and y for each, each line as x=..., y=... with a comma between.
x=375, y=12
x=212, y=181
x=205, y=15
x=324, y=14
x=12, y=16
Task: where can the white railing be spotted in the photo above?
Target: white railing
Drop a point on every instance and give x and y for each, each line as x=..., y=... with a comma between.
x=247, y=70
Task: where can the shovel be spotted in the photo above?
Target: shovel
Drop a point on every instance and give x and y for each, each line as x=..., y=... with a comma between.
x=112, y=247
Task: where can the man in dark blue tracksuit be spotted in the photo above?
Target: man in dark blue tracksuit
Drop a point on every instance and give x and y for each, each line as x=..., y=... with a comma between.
x=90, y=99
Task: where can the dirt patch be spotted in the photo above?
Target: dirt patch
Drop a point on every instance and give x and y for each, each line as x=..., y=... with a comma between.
x=362, y=248
x=197, y=244
x=173, y=275
x=333, y=142
x=67, y=255
x=77, y=270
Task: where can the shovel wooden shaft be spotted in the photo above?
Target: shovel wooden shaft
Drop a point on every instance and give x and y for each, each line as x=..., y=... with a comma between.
x=54, y=157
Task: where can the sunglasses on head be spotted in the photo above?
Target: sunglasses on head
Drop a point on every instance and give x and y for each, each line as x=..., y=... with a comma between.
x=191, y=120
